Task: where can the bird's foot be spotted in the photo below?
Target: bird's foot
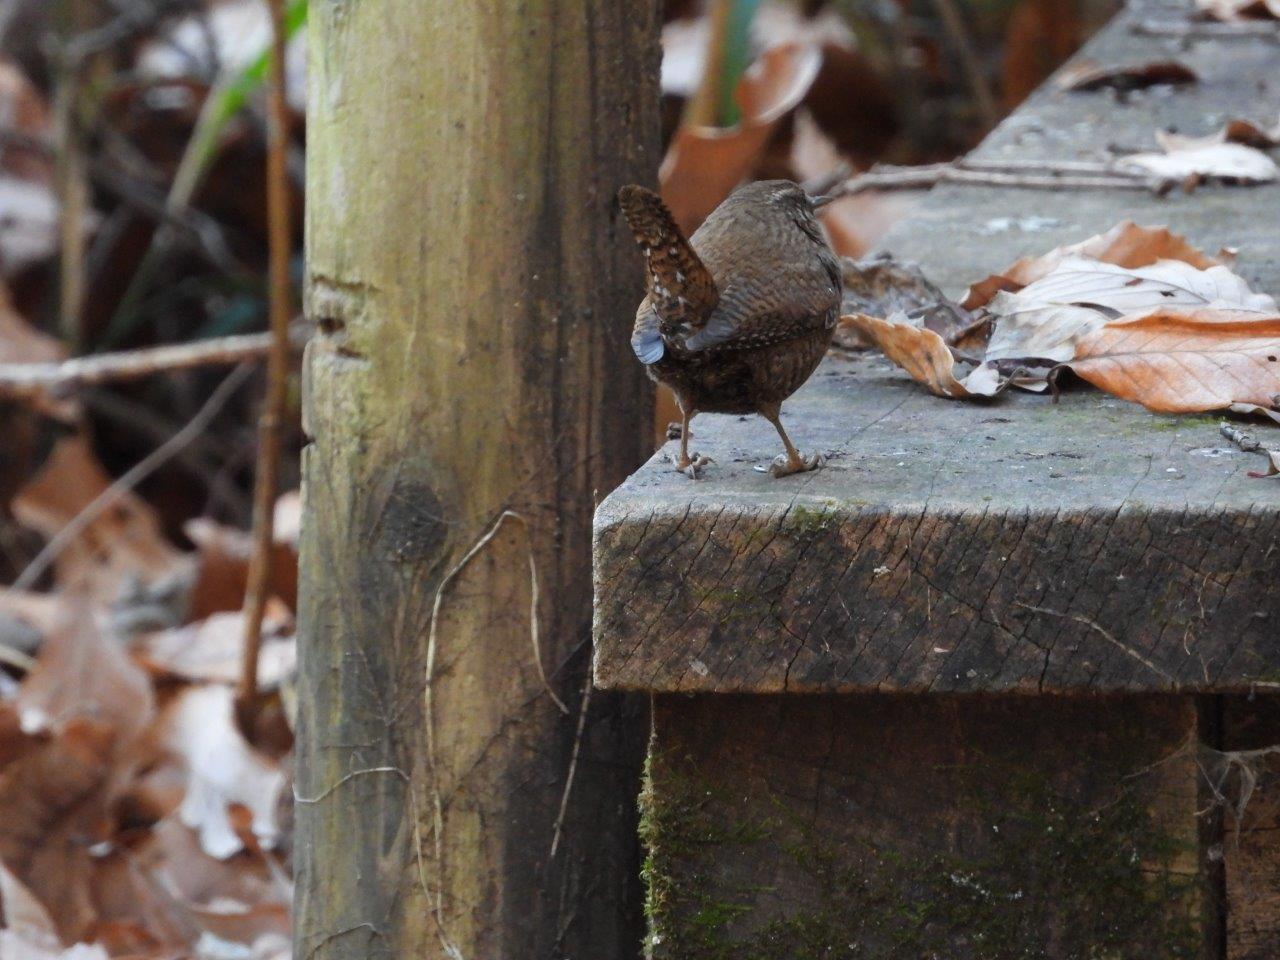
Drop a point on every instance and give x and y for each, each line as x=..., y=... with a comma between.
x=690, y=466
x=784, y=466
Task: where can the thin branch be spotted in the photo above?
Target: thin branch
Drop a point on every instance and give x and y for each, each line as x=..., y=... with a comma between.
x=267, y=478
x=1031, y=174
x=131, y=478
x=27, y=380
x=1208, y=30
x=1108, y=636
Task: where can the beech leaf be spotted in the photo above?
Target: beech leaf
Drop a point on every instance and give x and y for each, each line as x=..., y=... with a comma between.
x=1175, y=361
x=1047, y=318
x=926, y=357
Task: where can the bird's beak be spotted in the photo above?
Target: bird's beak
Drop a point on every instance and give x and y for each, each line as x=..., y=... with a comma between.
x=819, y=202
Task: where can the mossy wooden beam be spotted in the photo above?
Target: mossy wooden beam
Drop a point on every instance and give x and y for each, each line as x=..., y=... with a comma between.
x=1016, y=545
x=895, y=828
x=473, y=288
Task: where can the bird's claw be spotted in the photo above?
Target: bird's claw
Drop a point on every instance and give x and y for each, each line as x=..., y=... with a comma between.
x=784, y=466
x=690, y=466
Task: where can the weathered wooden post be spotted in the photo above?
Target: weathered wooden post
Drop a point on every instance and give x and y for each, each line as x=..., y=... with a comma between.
x=473, y=289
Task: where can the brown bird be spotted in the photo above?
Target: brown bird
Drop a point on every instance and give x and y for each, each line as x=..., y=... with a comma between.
x=738, y=316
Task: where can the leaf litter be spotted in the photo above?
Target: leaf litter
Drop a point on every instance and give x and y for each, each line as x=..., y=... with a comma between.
x=136, y=819
x=1137, y=311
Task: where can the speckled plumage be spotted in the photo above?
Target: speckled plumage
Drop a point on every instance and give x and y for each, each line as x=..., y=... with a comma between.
x=737, y=317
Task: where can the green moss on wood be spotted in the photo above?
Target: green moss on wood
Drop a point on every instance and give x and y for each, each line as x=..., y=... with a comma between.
x=1055, y=879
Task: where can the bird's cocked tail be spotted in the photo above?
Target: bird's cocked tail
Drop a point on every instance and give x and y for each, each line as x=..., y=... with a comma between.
x=681, y=289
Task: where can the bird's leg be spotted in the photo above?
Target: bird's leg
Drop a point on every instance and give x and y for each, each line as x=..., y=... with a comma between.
x=792, y=461
x=685, y=463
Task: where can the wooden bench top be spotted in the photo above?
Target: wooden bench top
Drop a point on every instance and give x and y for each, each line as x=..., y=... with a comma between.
x=1015, y=545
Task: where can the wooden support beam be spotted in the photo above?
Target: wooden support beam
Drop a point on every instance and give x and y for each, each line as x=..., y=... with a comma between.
x=473, y=286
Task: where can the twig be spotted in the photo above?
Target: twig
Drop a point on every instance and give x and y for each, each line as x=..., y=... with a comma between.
x=131, y=478
x=25, y=380
x=1247, y=443
x=573, y=766
x=72, y=184
x=1110, y=638
x=1031, y=174
x=1207, y=30
x=970, y=63
x=258, y=584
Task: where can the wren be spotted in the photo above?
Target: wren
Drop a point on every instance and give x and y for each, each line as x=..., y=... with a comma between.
x=738, y=316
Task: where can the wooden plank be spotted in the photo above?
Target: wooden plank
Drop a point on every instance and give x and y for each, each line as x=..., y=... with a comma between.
x=1247, y=773
x=951, y=547
x=907, y=827
x=945, y=547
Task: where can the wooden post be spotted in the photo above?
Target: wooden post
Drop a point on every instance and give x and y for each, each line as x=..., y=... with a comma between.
x=473, y=287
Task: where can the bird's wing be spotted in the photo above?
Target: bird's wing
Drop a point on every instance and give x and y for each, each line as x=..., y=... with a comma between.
x=682, y=291
x=758, y=308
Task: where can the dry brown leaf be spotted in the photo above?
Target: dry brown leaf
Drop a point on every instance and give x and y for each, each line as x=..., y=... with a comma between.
x=1047, y=318
x=1233, y=131
x=222, y=561
x=1083, y=75
x=1272, y=412
x=1126, y=245
x=881, y=287
x=926, y=357
x=1230, y=10
x=1184, y=362
x=1232, y=162
x=82, y=673
x=200, y=727
x=703, y=164
x=124, y=542
x=53, y=808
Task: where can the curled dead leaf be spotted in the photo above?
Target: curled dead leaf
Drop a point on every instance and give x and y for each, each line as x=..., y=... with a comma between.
x=1233, y=131
x=1085, y=75
x=1232, y=162
x=1174, y=361
x=1234, y=10
x=926, y=357
x=123, y=542
x=703, y=164
x=200, y=727
x=1047, y=318
x=1126, y=245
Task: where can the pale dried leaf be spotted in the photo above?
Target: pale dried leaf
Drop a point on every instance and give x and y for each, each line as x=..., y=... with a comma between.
x=1185, y=362
x=200, y=727
x=1272, y=412
x=926, y=357
x=1220, y=161
x=211, y=650
x=80, y=672
x=1047, y=318
x=1087, y=75
x=1233, y=131
x=24, y=916
x=1126, y=245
